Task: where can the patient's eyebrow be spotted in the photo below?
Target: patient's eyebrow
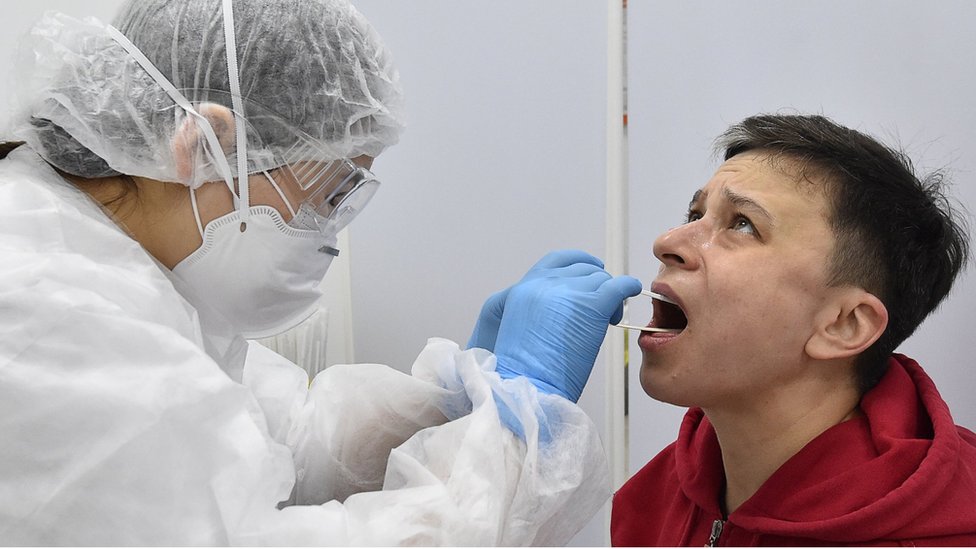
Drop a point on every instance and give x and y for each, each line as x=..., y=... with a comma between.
x=746, y=203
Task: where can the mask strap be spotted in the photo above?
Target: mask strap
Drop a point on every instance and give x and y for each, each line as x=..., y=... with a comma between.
x=280, y=193
x=215, y=149
x=196, y=211
x=233, y=77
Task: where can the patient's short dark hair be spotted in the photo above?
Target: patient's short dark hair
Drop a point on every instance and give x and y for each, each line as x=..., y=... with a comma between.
x=898, y=235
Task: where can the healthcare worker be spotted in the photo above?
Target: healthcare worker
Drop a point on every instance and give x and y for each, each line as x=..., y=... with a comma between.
x=175, y=197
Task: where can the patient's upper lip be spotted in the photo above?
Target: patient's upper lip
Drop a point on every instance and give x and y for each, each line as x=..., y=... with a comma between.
x=666, y=291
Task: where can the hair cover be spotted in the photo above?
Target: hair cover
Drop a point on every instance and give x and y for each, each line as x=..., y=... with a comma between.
x=91, y=110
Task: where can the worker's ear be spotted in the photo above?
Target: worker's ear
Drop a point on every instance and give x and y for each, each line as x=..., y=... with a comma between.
x=189, y=141
x=850, y=322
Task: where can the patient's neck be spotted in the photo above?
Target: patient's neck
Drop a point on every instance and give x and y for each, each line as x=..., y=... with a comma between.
x=759, y=436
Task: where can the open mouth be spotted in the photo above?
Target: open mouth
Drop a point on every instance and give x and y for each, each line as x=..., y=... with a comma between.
x=668, y=315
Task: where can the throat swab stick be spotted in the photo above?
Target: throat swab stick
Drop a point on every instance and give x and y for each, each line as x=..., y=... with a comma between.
x=657, y=296
x=648, y=329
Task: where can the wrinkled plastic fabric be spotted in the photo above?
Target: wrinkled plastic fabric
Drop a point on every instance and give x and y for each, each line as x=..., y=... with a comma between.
x=318, y=67
x=119, y=429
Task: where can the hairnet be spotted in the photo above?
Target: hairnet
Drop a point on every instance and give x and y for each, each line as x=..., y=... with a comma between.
x=91, y=110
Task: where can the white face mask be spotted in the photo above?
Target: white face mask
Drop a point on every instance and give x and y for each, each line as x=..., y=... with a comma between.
x=264, y=280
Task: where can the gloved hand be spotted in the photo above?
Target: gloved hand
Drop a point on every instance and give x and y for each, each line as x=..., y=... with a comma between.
x=486, y=329
x=554, y=323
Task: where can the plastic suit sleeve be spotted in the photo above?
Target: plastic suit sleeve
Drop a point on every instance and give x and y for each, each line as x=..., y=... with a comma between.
x=143, y=440
x=423, y=458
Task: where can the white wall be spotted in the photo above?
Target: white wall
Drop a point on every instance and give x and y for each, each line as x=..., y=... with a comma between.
x=903, y=71
x=502, y=160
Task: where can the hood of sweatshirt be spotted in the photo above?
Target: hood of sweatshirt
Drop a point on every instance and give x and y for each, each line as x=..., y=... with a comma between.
x=903, y=470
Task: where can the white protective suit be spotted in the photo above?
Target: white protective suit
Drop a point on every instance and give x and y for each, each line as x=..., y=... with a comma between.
x=119, y=428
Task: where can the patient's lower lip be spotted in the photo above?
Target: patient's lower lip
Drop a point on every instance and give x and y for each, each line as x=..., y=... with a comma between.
x=652, y=341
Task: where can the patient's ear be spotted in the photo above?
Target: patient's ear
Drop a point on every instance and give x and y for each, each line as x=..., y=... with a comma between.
x=189, y=138
x=851, y=321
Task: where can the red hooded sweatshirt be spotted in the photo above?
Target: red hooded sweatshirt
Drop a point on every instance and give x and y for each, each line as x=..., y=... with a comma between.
x=903, y=474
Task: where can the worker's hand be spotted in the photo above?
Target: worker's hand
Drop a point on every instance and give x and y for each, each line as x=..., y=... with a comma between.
x=486, y=329
x=554, y=323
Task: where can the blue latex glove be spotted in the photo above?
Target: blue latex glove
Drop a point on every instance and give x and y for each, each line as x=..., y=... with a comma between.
x=554, y=323
x=486, y=329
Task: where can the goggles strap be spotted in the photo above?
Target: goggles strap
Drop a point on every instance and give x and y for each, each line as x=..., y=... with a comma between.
x=233, y=77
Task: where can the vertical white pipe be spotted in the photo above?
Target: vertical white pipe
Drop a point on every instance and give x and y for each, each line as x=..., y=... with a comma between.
x=615, y=345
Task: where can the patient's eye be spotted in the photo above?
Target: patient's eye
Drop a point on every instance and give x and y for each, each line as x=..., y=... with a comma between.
x=744, y=225
x=692, y=215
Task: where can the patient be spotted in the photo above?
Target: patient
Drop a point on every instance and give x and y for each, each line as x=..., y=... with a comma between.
x=810, y=255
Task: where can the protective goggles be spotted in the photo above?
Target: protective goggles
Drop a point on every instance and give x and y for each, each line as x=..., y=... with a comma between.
x=327, y=194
